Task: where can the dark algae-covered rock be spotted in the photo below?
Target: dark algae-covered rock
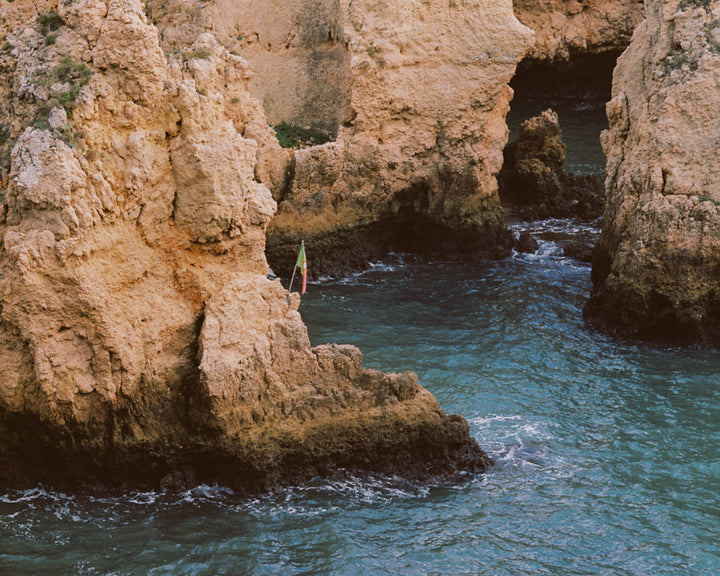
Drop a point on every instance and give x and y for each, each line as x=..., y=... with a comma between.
x=527, y=243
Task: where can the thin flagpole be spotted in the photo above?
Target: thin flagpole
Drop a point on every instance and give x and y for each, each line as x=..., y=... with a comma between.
x=293, y=277
x=295, y=267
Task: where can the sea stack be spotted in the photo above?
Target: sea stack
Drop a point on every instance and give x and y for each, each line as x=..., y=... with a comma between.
x=140, y=339
x=657, y=266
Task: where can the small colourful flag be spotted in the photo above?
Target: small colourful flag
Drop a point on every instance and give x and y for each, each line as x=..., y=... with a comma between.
x=302, y=264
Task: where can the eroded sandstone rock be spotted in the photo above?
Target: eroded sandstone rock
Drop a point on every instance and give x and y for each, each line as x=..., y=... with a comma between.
x=139, y=336
x=577, y=44
x=568, y=28
x=656, y=268
x=415, y=96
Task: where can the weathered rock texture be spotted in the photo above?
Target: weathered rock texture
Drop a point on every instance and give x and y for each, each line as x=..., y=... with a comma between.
x=532, y=180
x=566, y=28
x=138, y=332
x=296, y=48
x=657, y=269
x=416, y=95
x=417, y=153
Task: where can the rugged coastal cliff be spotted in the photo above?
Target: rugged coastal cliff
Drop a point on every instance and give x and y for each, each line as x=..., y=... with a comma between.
x=656, y=270
x=420, y=143
x=576, y=46
x=139, y=336
x=413, y=96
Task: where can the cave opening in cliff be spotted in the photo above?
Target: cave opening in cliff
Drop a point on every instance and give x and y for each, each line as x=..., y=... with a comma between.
x=577, y=89
x=570, y=161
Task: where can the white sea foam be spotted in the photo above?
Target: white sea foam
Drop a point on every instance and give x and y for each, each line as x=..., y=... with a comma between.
x=25, y=496
x=553, y=235
x=328, y=495
x=565, y=226
x=393, y=262
x=546, y=249
x=385, y=266
x=143, y=497
x=585, y=105
x=514, y=441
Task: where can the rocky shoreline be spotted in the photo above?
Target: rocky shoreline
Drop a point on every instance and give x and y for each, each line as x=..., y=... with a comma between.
x=143, y=192
x=428, y=447
x=141, y=343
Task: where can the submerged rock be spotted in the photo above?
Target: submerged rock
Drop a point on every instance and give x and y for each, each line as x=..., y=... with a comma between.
x=533, y=183
x=656, y=272
x=141, y=342
x=578, y=250
x=527, y=243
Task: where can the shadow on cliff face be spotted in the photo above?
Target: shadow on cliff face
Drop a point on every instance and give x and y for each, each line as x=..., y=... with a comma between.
x=346, y=251
x=408, y=226
x=653, y=316
x=581, y=77
x=662, y=314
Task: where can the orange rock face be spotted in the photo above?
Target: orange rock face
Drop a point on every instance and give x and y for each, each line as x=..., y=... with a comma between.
x=138, y=332
x=568, y=28
x=420, y=144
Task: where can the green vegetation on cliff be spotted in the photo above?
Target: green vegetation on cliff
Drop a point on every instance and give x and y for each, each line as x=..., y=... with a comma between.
x=291, y=135
x=74, y=75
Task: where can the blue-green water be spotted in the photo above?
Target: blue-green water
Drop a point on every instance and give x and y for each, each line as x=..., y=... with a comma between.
x=607, y=452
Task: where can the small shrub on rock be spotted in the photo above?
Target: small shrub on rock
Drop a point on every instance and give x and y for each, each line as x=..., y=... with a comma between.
x=291, y=135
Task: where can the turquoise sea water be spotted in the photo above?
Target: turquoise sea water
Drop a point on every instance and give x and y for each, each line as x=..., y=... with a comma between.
x=607, y=452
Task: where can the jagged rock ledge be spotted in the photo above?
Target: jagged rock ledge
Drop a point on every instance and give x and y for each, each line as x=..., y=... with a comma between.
x=141, y=342
x=401, y=432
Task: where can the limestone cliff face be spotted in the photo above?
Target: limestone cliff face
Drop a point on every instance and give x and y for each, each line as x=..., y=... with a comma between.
x=415, y=94
x=138, y=331
x=656, y=271
x=567, y=28
x=296, y=48
x=419, y=147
